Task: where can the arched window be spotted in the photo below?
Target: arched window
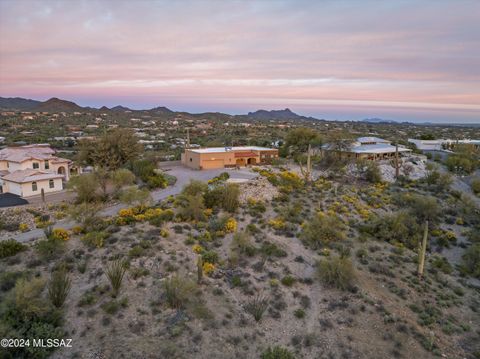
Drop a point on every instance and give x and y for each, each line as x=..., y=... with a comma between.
x=34, y=186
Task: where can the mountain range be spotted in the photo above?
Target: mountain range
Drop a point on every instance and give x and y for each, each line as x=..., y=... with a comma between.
x=58, y=105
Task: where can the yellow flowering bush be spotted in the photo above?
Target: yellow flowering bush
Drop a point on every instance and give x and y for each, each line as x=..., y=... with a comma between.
x=291, y=179
x=126, y=212
x=164, y=233
x=60, y=215
x=197, y=248
x=208, y=212
x=23, y=227
x=60, y=234
x=459, y=221
x=208, y=268
x=231, y=225
x=277, y=223
x=77, y=230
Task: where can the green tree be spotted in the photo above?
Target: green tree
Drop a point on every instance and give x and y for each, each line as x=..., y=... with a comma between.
x=122, y=177
x=85, y=186
x=113, y=150
x=135, y=196
x=298, y=139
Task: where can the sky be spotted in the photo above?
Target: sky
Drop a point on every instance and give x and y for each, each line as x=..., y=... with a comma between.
x=347, y=60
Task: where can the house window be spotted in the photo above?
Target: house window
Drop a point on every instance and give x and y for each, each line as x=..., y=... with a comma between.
x=190, y=159
x=35, y=165
x=47, y=165
x=51, y=184
x=34, y=185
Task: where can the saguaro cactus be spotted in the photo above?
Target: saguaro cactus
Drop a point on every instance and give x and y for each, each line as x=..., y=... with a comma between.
x=423, y=249
x=307, y=172
x=397, y=168
x=199, y=269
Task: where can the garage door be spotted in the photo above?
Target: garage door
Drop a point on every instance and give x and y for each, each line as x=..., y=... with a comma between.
x=209, y=164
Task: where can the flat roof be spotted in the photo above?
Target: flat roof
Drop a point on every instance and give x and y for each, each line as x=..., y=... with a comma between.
x=229, y=149
x=378, y=148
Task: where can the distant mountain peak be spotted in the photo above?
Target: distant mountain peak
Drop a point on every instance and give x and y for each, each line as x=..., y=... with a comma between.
x=161, y=109
x=57, y=105
x=285, y=114
x=120, y=108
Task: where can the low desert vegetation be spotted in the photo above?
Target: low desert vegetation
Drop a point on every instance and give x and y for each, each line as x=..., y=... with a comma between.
x=327, y=261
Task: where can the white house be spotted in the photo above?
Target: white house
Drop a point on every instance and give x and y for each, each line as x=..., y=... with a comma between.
x=26, y=170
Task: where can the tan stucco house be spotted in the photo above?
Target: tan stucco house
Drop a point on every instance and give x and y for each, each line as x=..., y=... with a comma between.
x=26, y=170
x=224, y=157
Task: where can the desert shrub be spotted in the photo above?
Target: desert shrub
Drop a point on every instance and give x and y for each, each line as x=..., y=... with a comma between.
x=135, y=196
x=26, y=314
x=146, y=171
x=269, y=249
x=10, y=247
x=60, y=234
x=399, y=227
x=242, y=243
x=192, y=208
x=122, y=177
x=257, y=306
x=288, y=280
x=58, y=287
x=49, y=249
x=336, y=272
x=194, y=188
x=322, y=229
x=225, y=196
x=8, y=280
x=277, y=353
x=210, y=257
x=115, y=271
x=299, y=313
x=94, y=239
x=178, y=291
x=476, y=185
x=373, y=173
x=85, y=186
x=442, y=264
x=471, y=260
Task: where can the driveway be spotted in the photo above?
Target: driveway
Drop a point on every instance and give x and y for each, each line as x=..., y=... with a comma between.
x=183, y=174
x=10, y=200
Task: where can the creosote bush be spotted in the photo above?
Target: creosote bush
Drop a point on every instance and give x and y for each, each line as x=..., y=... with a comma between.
x=322, y=229
x=115, y=272
x=336, y=272
x=10, y=247
x=178, y=291
x=277, y=353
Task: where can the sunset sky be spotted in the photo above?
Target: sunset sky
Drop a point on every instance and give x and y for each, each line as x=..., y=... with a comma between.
x=400, y=60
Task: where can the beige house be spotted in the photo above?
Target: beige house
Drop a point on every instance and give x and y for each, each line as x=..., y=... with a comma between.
x=27, y=170
x=224, y=157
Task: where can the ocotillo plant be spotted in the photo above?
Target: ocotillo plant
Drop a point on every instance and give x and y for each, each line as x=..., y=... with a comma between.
x=421, y=254
x=199, y=269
